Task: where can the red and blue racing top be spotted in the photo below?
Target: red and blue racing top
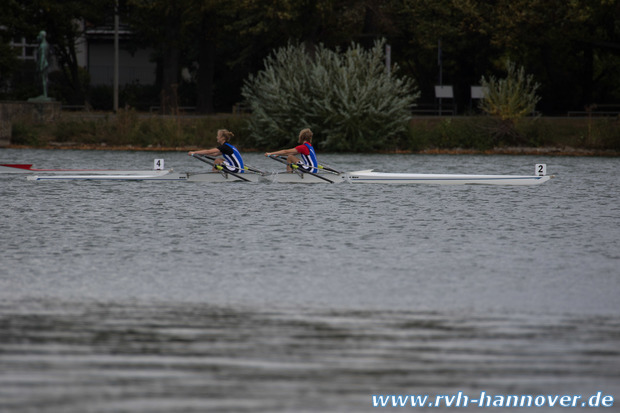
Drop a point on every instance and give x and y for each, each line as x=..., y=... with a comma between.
x=308, y=158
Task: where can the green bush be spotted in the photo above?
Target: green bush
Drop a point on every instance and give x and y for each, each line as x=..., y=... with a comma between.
x=348, y=99
x=604, y=134
x=512, y=97
x=128, y=128
x=507, y=100
x=24, y=133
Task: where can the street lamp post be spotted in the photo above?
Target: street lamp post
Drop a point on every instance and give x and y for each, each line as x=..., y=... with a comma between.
x=116, y=57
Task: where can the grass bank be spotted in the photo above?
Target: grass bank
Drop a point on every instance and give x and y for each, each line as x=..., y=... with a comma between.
x=128, y=129
x=530, y=135
x=462, y=134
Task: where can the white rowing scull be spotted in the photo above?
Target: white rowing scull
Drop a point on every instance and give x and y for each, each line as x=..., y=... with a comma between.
x=371, y=177
x=28, y=169
x=162, y=176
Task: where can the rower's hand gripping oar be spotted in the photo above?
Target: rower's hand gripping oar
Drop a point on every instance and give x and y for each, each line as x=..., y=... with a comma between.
x=218, y=167
x=297, y=168
x=247, y=168
x=323, y=167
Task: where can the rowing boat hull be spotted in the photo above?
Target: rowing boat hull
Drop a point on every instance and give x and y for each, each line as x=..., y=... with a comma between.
x=303, y=178
x=27, y=169
x=149, y=176
x=158, y=176
x=370, y=177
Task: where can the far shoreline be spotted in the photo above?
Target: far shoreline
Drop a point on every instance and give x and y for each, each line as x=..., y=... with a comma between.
x=546, y=151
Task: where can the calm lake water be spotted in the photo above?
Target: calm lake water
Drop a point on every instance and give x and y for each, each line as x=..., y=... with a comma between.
x=190, y=297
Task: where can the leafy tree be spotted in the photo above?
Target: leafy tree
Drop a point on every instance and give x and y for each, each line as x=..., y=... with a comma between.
x=348, y=99
x=508, y=100
x=463, y=28
x=205, y=22
x=159, y=24
x=8, y=62
x=564, y=43
x=512, y=97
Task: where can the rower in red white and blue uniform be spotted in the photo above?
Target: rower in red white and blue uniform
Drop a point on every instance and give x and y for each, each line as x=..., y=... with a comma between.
x=231, y=161
x=304, y=150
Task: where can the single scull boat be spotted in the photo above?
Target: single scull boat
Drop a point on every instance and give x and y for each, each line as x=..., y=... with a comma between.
x=370, y=177
x=28, y=169
x=163, y=176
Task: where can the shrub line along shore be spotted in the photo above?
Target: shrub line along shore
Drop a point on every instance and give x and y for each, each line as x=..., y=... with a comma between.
x=546, y=151
x=130, y=130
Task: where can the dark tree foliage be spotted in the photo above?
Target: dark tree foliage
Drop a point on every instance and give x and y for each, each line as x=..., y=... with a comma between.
x=62, y=21
x=572, y=48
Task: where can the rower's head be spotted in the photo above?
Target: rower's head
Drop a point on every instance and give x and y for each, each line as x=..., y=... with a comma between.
x=305, y=136
x=224, y=135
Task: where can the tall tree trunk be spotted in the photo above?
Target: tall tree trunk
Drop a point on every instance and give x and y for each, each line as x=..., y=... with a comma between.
x=170, y=73
x=587, y=74
x=206, y=65
x=67, y=60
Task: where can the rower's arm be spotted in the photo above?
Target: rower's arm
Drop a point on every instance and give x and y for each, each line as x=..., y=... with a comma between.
x=283, y=152
x=210, y=152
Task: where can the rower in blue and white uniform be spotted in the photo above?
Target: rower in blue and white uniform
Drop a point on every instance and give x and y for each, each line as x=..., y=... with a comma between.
x=231, y=161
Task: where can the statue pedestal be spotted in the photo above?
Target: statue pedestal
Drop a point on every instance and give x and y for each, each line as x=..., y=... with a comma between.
x=34, y=110
x=41, y=99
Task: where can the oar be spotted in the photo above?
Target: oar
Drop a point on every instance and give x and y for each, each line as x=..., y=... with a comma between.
x=247, y=168
x=218, y=167
x=325, y=168
x=296, y=167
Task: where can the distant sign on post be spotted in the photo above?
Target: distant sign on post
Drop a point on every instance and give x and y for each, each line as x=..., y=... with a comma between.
x=478, y=92
x=444, y=92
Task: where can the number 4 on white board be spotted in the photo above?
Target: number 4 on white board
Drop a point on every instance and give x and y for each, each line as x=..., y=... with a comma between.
x=158, y=165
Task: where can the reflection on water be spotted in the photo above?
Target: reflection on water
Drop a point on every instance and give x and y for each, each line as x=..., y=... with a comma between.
x=121, y=357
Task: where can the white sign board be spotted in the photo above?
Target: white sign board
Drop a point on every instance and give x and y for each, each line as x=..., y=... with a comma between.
x=444, y=92
x=478, y=92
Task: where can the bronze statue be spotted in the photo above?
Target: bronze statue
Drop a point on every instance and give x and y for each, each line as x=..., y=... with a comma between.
x=42, y=66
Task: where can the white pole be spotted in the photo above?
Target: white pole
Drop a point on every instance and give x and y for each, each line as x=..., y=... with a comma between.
x=440, y=62
x=116, y=57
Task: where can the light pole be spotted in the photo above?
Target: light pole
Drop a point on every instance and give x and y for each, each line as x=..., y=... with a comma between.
x=116, y=57
x=439, y=61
